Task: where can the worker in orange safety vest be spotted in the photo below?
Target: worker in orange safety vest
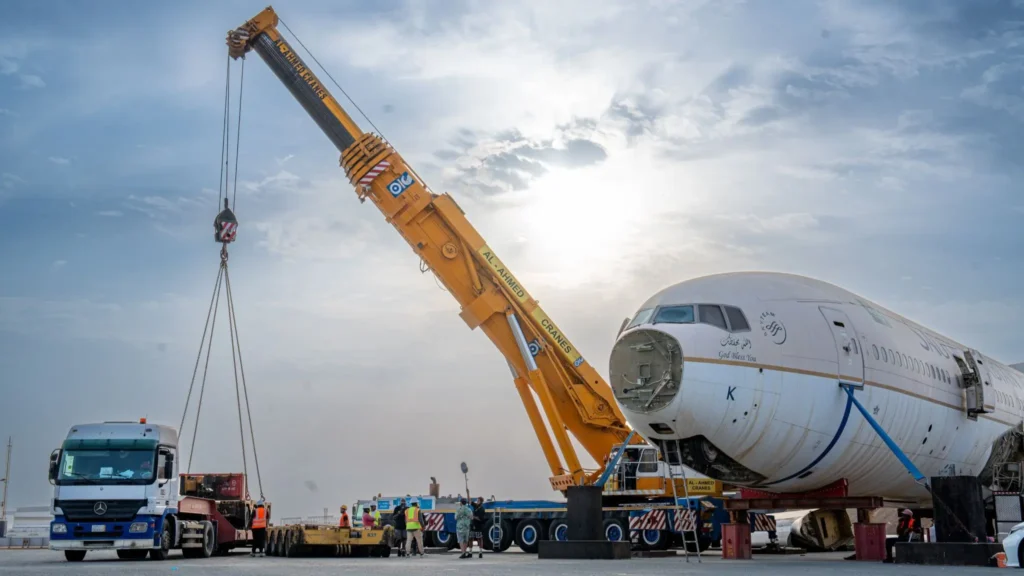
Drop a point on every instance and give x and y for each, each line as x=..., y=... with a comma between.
x=344, y=522
x=259, y=528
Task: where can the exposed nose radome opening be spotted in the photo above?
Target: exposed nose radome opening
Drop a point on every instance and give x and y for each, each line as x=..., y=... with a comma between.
x=646, y=370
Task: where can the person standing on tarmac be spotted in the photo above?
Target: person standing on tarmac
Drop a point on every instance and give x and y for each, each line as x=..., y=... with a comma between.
x=344, y=522
x=463, y=520
x=259, y=528
x=376, y=515
x=413, y=528
x=476, y=527
x=398, y=519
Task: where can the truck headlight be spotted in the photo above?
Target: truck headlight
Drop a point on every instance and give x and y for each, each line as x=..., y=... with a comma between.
x=60, y=528
x=137, y=527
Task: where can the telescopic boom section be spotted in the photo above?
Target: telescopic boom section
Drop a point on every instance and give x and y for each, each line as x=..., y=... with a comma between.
x=573, y=396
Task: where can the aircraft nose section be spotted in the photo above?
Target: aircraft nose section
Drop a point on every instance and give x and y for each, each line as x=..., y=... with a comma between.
x=646, y=370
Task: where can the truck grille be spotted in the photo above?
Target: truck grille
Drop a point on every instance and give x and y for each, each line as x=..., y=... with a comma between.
x=86, y=510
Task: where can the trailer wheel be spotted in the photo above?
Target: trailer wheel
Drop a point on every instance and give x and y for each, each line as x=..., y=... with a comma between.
x=74, y=555
x=165, y=542
x=559, y=530
x=291, y=545
x=278, y=543
x=209, y=540
x=529, y=533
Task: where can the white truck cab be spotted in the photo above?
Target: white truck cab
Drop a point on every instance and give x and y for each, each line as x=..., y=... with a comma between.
x=115, y=483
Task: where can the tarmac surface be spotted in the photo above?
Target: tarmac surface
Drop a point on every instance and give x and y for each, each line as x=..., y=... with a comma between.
x=46, y=562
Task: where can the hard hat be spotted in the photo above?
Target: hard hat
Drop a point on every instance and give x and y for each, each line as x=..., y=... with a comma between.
x=259, y=502
x=907, y=512
x=344, y=507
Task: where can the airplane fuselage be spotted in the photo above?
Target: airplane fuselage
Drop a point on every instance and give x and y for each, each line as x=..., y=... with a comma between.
x=747, y=378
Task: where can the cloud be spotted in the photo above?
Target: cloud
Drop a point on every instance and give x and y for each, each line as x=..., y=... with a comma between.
x=509, y=162
x=32, y=81
x=8, y=112
x=58, y=264
x=60, y=161
x=110, y=213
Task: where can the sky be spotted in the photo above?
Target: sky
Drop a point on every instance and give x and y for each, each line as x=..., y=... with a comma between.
x=605, y=150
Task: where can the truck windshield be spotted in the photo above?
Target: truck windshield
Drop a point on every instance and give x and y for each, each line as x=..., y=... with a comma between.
x=99, y=466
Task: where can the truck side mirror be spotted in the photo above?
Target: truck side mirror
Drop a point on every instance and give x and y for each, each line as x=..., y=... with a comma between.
x=54, y=465
x=168, y=466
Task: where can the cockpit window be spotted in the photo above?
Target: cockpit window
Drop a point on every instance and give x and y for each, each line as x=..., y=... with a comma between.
x=712, y=314
x=675, y=315
x=737, y=321
x=640, y=318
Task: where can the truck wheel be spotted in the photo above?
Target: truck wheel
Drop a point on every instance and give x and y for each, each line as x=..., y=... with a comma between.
x=209, y=540
x=74, y=555
x=702, y=542
x=165, y=543
x=614, y=531
x=529, y=533
x=656, y=539
x=444, y=539
x=497, y=537
x=559, y=530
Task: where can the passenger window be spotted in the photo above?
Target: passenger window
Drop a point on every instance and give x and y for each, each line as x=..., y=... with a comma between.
x=885, y=355
x=899, y=360
x=854, y=344
x=875, y=348
x=931, y=370
x=710, y=314
x=737, y=321
x=674, y=315
x=892, y=356
x=640, y=318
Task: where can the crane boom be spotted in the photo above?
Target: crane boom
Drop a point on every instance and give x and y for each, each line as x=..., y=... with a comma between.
x=573, y=396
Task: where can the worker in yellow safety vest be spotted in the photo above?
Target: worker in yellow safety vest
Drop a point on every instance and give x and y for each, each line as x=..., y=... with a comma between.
x=376, y=515
x=413, y=529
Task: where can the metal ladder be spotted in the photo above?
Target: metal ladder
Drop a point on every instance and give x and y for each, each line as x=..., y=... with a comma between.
x=496, y=519
x=675, y=497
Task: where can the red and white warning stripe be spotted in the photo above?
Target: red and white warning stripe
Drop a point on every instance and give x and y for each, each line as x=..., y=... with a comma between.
x=435, y=522
x=374, y=172
x=762, y=522
x=228, y=231
x=686, y=520
x=653, y=520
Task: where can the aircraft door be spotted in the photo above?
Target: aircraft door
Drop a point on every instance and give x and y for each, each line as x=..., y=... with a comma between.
x=851, y=360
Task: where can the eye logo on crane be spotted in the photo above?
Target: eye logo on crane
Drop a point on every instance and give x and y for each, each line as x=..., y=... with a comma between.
x=534, y=346
x=399, y=185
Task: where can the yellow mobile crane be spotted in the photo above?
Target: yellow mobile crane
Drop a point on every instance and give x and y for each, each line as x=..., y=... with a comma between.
x=574, y=397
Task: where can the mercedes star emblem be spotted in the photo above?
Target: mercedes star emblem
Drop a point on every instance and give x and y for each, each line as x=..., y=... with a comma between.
x=100, y=508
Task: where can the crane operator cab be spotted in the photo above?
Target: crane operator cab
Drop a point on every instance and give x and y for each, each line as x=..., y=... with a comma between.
x=639, y=471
